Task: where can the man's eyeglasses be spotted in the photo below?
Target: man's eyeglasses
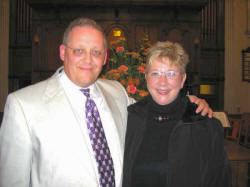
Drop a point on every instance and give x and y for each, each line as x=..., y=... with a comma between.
x=169, y=74
x=81, y=52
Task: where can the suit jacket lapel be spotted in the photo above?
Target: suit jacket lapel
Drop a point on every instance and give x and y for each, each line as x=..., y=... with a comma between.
x=114, y=112
x=57, y=101
x=54, y=87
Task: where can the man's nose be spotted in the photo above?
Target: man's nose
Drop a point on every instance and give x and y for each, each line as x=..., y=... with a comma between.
x=87, y=57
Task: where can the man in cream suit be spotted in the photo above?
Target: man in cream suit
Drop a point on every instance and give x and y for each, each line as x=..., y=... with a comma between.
x=44, y=140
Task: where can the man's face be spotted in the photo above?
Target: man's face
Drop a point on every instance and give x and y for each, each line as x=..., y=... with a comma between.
x=84, y=55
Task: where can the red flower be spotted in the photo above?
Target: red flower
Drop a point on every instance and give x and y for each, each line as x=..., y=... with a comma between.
x=123, y=68
x=142, y=93
x=130, y=80
x=143, y=65
x=136, y=81
x=119, y=48
x=141, y=69
x=123, y=82
x=131, y=89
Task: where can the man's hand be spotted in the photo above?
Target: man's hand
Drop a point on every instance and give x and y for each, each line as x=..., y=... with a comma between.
x=203, y=106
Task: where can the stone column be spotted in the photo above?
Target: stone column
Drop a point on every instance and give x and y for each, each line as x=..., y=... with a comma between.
x=4, y=51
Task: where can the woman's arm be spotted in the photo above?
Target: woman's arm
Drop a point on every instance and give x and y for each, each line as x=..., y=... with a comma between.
x=203, y=106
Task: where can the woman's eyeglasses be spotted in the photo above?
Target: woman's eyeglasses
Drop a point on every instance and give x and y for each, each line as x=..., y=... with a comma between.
x=169, y=74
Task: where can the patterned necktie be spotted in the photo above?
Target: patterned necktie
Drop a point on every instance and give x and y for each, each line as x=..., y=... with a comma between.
x=99, y=143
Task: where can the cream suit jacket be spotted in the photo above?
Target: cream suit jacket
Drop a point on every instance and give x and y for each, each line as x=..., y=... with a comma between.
x=41, y=141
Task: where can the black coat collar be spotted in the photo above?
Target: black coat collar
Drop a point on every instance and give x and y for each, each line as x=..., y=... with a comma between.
x=141, y=108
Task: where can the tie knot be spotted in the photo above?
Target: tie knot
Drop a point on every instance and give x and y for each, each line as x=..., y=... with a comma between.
x=85, y=92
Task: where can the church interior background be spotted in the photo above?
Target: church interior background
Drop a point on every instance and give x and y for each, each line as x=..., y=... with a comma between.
x=36, y=29
x=37, y=26
x=215, y=33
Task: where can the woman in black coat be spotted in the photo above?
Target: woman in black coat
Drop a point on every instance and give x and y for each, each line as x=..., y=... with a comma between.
x=167, y=143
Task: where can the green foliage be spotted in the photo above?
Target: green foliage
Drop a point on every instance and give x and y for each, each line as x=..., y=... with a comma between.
x=128, y=67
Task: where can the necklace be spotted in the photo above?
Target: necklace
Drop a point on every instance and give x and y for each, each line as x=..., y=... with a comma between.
x=161, y=118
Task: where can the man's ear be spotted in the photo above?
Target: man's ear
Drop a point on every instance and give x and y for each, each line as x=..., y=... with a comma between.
x=183, y=80
x=105, y=58
x=62, y=52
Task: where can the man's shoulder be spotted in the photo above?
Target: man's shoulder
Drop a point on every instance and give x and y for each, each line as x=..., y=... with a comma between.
x=113, y=90
x=34, y=90
x=30, y=88
x=41, y=85
x=110, y=85
x=108, y=82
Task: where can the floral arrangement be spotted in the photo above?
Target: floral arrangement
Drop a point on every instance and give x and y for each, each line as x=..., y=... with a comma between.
x=128, y=67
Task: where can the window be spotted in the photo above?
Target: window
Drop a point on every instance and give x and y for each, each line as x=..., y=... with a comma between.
x=115, y=35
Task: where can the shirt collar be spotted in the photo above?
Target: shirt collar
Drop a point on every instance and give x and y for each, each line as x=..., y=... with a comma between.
x=94, y=92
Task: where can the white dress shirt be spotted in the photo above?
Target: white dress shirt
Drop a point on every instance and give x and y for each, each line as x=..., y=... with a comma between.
x=77, y=100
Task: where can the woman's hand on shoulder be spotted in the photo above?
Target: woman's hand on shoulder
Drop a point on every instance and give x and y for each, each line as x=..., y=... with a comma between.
x=203, y=106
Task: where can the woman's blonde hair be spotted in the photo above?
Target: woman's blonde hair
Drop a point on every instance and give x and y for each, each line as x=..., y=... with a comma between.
x=173, y=51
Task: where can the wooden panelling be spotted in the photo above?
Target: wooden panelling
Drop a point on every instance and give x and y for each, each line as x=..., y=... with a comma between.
x=239, y=157
x=194, y=24
x=4, y=51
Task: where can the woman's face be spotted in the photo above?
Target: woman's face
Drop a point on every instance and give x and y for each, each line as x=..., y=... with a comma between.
x=164, y=81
